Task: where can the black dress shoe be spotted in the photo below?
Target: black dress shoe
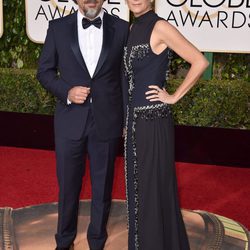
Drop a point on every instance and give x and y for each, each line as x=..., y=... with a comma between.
x=66, y=248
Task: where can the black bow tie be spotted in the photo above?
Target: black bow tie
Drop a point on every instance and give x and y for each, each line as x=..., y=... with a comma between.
x=96, y=22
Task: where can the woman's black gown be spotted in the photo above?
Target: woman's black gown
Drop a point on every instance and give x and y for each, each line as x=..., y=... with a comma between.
x=154, y=217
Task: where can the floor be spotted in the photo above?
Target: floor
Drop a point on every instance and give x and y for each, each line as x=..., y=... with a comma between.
x=33, y=228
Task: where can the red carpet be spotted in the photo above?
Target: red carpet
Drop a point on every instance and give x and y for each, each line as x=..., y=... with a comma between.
x=27, y=177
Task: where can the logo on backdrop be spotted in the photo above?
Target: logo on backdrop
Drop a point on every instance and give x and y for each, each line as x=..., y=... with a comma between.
x=1, y=18
x=211, y=25
x=40, y=12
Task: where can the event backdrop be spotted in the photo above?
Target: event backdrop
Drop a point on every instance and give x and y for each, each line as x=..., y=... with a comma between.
x=39, y=12
x=1, y=18
x=211, y=25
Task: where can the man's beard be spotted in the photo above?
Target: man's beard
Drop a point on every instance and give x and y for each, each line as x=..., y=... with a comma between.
x=91, y=13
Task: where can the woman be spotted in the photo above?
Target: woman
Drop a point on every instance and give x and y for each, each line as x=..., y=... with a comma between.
x=154, y=217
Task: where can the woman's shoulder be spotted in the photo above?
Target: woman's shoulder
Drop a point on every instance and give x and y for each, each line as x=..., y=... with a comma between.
x=163, y=25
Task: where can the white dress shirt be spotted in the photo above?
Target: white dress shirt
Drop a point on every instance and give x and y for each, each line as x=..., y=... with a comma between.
x=90, y=42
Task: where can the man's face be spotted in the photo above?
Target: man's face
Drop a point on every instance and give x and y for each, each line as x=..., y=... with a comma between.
x=90, y=8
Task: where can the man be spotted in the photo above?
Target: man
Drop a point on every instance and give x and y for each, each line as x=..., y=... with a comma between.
x=80, y=64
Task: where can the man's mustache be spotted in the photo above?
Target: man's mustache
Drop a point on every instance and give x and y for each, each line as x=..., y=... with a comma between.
x=91, y=1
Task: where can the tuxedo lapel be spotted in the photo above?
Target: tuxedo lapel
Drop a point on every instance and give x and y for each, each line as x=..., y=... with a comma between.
x=75, y=44
x=108, y=34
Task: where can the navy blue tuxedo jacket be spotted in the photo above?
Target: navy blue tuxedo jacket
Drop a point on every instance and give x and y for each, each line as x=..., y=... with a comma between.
x=61, y=67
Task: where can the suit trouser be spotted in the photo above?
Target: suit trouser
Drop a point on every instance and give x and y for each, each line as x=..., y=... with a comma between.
x=71, y=156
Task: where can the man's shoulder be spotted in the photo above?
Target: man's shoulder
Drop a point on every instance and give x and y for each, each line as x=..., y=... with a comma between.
x=63, y=20
x=117, y=20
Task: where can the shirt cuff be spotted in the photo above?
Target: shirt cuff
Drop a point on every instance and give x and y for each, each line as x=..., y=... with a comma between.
x=68, y=101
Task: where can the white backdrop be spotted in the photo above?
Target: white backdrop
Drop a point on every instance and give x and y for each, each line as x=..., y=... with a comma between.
x=39, y=12
x=211, y=25
x=1, y=18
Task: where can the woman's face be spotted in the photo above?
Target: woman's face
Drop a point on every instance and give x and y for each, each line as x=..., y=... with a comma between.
x=139, y=7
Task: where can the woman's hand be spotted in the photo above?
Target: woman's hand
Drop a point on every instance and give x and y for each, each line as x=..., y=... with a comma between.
x=158, y=94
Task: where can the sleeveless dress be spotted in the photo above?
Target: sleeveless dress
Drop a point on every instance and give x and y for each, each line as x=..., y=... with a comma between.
x=154, y=218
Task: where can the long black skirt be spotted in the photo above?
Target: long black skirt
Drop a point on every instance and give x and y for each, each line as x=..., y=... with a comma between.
x=154, y=218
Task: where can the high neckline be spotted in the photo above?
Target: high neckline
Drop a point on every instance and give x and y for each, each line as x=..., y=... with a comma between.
x=144, y=16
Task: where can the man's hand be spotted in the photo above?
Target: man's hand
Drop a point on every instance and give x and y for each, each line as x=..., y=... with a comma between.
x=78, y=94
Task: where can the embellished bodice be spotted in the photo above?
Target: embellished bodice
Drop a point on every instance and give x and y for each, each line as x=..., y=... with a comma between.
x=142, y=66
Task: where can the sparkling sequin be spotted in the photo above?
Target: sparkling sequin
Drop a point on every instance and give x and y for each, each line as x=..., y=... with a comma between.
x=137, y=52
x=152, y=112
x=126, y=165
x=136, y=195
x=170, y=57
